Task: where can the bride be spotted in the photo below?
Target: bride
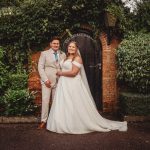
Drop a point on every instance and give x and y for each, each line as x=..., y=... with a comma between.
x=73, y=109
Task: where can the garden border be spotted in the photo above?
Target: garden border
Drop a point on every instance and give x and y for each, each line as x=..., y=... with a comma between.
x=136, y=118
x=34, y=119
x=20, y=119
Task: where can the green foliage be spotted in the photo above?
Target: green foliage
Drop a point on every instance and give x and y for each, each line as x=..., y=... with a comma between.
x=15, y=99
x=142, y=16
x=114, y=9
x=3, y=73
x=15, y=59
x=18, y=81
x=34, y=24
x=36, y=21
x=118, y=11
x=133, y=57
x=134, y=104
x=3, y=77
x=18, y=102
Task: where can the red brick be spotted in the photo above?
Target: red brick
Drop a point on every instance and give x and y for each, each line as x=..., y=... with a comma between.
x=109, y=73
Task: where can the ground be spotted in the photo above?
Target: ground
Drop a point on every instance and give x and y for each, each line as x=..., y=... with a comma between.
x=27, y=137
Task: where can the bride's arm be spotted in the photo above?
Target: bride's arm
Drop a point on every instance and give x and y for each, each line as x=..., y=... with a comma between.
x=71, y=73
x=74, y=71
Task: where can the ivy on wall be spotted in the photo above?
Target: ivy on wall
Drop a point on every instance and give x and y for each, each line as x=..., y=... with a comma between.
x=27, y=25
x=31, y=23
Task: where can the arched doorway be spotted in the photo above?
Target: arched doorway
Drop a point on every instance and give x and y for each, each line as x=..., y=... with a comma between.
x=90, y=50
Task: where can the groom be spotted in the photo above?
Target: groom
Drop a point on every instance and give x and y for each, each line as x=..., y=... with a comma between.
x=48, y=66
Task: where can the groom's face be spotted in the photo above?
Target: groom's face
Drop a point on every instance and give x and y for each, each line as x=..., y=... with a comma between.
x=55, y=44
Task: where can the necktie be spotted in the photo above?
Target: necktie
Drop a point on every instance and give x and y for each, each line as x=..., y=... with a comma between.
x=56, y=56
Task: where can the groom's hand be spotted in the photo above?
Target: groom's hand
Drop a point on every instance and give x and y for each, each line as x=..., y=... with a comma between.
x=48, y=83
x=59, y=73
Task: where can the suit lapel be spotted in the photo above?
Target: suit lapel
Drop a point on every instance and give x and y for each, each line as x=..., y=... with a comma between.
x=60, y=55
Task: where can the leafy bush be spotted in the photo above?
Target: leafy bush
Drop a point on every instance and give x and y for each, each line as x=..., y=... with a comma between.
x=18, y=81
x=15, y=99
x=118, y=11
x=133, y=57
x=134, y=104
x=3, y=73
x=36, y=21
x=18, y=102
x=14, y=57
x=142, y=16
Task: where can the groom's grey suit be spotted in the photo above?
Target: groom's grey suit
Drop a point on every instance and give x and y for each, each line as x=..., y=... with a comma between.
x=47, y=68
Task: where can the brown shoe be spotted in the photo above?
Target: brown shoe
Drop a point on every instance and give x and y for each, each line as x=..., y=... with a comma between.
x=42, y=125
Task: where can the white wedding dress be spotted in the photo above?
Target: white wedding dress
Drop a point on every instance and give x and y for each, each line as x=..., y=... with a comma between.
x=73, y=110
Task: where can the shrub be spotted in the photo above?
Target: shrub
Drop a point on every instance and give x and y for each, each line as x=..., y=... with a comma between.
x=3, y=73
x=134, y=104
x=18, y=81
x=133, y=57
x=15, y=99
x=118, y=11
x=18, y=102
x=142, y=16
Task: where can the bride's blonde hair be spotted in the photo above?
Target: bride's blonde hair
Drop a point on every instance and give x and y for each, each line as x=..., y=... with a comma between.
x=76, y=54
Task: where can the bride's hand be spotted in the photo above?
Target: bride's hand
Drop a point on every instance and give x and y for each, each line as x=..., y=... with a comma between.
x=59, y=73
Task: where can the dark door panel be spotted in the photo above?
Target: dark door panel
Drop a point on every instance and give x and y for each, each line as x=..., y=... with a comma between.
x=90, y=50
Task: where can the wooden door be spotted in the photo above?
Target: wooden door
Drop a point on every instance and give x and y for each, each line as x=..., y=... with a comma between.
x=90, y=50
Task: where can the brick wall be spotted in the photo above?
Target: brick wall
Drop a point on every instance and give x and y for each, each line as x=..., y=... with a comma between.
x=34, y=83
x=109, y=72
x=34, y=78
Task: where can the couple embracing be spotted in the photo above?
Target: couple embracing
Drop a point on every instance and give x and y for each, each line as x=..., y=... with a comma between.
x=73, y=109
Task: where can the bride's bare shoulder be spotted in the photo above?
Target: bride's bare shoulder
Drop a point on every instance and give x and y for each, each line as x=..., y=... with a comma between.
x=78, y=59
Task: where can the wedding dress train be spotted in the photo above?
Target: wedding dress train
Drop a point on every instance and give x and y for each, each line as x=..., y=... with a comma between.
x=73, y=110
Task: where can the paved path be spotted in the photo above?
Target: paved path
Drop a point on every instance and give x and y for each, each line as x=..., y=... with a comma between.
x=27, y=137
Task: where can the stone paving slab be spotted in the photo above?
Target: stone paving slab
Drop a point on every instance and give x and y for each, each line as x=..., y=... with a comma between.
x=22, y=119
x=35, y=119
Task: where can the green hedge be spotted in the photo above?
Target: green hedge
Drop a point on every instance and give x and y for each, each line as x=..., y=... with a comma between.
x=18, y=81
x=18, y=102
x=133, y=58
x=134, y=104
x=15, y=99
x=3, y=72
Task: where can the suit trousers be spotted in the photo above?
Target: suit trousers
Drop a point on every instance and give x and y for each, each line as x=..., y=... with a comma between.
x=47, y=96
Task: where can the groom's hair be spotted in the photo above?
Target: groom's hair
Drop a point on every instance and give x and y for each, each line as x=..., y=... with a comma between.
x=54, y=38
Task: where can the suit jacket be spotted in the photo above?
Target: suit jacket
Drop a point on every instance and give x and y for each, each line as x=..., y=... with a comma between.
x=47, y=66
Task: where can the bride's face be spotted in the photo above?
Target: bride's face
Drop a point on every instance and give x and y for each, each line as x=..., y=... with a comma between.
x=72, y=49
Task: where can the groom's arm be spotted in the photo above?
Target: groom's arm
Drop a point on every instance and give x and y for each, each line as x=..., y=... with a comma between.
x=41, y=67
